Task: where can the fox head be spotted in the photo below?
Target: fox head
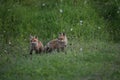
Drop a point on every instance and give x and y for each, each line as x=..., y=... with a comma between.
x=33, y=41
x=62, y=38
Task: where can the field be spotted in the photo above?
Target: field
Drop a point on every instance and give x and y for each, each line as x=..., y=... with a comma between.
x=84, y=61
x=92, y=28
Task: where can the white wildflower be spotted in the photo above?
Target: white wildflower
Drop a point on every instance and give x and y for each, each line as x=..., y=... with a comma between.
x=9, y=42
x=43, y=4
x=118, y=12
x=81, y=22
x=71, y=29
x=5, y=51
x=99, y=27
x=61, y=11
x=81, y=49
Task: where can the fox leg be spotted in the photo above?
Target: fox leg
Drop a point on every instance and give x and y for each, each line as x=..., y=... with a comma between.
x=40, y=50
x=31, y=51
x=58, y=49
x=48, y=49
x=36, y=51
x=62, y=49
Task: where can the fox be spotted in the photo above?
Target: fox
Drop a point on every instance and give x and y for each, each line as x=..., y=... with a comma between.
x=35, y=45
x=58, y=44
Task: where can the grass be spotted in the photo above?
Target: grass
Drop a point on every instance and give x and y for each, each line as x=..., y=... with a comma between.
x=83, y=21
x=96, y=61
x=47, y=21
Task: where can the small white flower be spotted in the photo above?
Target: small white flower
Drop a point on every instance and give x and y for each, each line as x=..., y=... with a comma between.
x=61, y=11
x=99, y=27
x=71, y=29
x=9, y=42
x=4, y=31
x=81, y=49
x=5, y=51
x=118, y=12
x=43, y=4
x=81, y=22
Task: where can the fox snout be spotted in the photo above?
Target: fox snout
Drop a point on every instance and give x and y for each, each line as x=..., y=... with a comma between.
x=33, y=45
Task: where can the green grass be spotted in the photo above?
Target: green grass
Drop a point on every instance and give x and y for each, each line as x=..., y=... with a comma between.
x=96, y=61
x=22, y=18
x=92, y=27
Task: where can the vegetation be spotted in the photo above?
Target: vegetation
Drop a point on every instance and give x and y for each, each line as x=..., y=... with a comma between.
x=92, y=28
x=93, y=61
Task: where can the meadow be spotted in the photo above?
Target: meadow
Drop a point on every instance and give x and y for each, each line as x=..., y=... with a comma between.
x=87, y=61
x=92, y=28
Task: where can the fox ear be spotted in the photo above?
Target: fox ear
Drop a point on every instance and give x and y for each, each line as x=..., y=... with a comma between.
x=36, y=37
x=64, y=33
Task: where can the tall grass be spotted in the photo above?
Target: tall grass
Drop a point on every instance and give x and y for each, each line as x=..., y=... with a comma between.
x=88, y=28
x=96, y=60
x=45, y=19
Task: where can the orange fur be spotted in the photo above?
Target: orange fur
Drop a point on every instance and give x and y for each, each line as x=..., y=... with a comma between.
x=57, y=44
x=35, y=45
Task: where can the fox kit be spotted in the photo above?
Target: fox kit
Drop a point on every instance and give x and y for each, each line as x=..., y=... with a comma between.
x=35, y=45
x=57, y=44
